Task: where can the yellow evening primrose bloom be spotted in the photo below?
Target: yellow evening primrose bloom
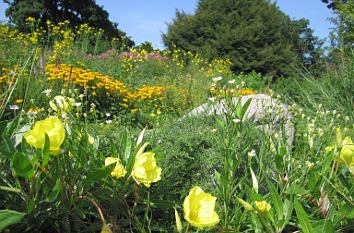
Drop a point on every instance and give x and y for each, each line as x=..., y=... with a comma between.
x=262, y=207
x=145, y=169
x=347, y=152
x=51, y=126
x=198, y=208
x=119, y=170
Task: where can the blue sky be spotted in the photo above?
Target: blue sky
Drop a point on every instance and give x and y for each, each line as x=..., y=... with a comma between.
x=145, y=20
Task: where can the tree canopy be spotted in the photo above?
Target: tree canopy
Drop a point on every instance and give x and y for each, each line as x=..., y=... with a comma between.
x=343, y=34
x=76, y=11
x=254, y=34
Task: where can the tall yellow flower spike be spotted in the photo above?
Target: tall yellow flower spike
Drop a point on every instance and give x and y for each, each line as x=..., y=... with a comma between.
x=198, y=208
x=51, y=126
x=119, y=170
x=145, y=169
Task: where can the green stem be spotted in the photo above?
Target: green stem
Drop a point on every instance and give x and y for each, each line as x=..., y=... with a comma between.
x=187, y=228
x=10, y=189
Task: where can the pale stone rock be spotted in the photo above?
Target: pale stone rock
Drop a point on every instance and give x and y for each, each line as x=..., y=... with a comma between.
x=266, y=112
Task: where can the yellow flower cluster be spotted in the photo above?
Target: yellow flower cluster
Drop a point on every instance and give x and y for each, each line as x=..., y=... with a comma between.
x=262, y=207
x=7, y=76
x=104, y=83
x=231, y=92
x=213, y=68
x=219, y=66
x=147, y=93
x=64, y=39
x=9, y=34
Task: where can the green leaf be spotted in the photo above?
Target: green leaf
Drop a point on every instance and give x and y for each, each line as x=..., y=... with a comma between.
x=97, y=175
x=279, y=162
x=238, y=109
x=282, y=151
x=125, y=145
x=245, y=108
x=303, y=218
x=277, y=202
x=9, y=217
x=46, y=151
x=20, y=133
x=287, y=211
x=323, y=226
x=55, y=191
x=160, y=204
x=295, y=189
x=21, y=165
x=256, y=223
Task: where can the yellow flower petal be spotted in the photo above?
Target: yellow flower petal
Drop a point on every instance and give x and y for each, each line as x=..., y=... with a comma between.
x=198, y=209
x=51, y=126
x=347, y=153
x=119, y=170
x=262, y=207
x=145, y=169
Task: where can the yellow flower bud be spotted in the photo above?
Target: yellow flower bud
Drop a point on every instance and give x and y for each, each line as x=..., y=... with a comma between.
x=106, y=229
x=145, y=169
x=178, y=222
x=245, y=204
x=51, y=126
x=198, y=209
x=347, y=153
x=119, y=170
x=262, y=207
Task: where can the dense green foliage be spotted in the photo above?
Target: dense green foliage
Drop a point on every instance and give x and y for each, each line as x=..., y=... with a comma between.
x=342, y=36
x=255, y=35
x=103, y=142
x=77, y=12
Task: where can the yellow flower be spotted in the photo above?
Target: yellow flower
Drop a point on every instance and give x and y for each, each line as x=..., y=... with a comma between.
x=51, y=126
x=198, y=209
x=119, y=170
x=347, y=153
x=145, y=169
x=19, y=101
x=262, y=207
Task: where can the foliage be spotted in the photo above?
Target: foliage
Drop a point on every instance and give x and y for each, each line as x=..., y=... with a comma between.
x=254, y=35
x=342, y=34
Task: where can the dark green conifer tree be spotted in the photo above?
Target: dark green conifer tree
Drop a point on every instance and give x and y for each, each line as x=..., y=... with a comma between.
x=254, y=34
